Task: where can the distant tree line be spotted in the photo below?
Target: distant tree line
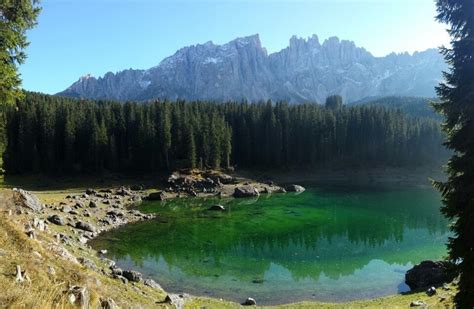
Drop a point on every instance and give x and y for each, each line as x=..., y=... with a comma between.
x=412, y=106
x=51, y=134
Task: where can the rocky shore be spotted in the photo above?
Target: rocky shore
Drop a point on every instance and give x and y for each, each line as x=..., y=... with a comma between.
x=65, y=227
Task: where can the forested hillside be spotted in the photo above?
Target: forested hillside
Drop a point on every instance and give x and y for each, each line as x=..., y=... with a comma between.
x=51, y=134
x=412, y=106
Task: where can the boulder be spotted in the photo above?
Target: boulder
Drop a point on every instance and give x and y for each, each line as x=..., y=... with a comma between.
x=249, y=302
x=123, y=192
x=121, y=278
x=79, y=296
x=93, y=204
x=131, y=275
x=39, y=224
x=427, y=274
x=216, y=208
x=431, y=291
x=56, y=219
x=246, y=191
x=151, y=283
x=28, y=200
x=176, y=300
x=295, y=188
x=156, y=196
x=225, y=179
x=91, y=191
x=66, y=209
x=116, y=271
x=85, y=226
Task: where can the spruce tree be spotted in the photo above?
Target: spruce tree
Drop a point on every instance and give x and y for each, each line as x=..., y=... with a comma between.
x=457, y=106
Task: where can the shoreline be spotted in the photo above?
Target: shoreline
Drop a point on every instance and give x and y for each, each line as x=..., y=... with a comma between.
x=76, y=239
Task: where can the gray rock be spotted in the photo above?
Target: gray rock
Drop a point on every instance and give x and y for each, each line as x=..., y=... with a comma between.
x=123, y=192
x=93, y=204
x=176, y=300
x=91, y=191
x=79, y=296
x=131, y=275
x=116, y=271
x=246, y=191
x=51, y=270
x=151, y=283
x=66, y=209
x=85, y=226
x=427, y=274
x=417, y=303
x=249, y=302
x=26, y=199
x=39, y=224
x=121, y=278
x=57, y=219
x=295, y=188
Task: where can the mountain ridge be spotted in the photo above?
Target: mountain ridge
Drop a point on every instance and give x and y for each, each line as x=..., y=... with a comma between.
x=242, y=69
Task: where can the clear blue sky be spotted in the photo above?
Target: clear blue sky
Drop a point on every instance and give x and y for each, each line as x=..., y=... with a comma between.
x=74, y=37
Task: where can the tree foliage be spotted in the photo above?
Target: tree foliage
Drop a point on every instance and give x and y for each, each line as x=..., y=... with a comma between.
x=16, y=16
x=334, y=102
x=457, y=106
x=59, y=135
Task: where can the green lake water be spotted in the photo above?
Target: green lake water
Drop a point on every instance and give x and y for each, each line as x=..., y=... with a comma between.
x=330, y=243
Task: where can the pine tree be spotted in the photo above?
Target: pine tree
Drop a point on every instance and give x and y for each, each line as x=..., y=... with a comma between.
x=334, y=102
x=190, y=148
x=457, y=106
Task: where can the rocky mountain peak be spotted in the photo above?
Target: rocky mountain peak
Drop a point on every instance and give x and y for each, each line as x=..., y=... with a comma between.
x=304, y=71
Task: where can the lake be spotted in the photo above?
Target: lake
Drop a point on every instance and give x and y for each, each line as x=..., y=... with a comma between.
x=330, y=243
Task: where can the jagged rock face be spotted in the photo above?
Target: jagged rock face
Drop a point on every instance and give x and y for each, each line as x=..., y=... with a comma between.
x=241, y=69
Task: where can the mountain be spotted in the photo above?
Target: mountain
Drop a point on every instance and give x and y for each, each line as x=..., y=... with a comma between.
x=242, y=69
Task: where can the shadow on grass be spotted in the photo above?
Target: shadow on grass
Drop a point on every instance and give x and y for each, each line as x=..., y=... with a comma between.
x=40, y=182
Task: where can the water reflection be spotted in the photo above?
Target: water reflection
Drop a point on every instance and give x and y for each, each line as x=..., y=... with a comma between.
x=324, y=238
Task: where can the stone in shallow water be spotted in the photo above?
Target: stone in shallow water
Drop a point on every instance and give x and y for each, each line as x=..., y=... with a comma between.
x=295, y=188
x=246, y=191
x=427, y=274
x=249, y=302
x=216, y=208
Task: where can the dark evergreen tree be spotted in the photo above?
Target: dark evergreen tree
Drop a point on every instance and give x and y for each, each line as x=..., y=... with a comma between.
x=334, y=102
x=59, y=135
x=457, y=106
